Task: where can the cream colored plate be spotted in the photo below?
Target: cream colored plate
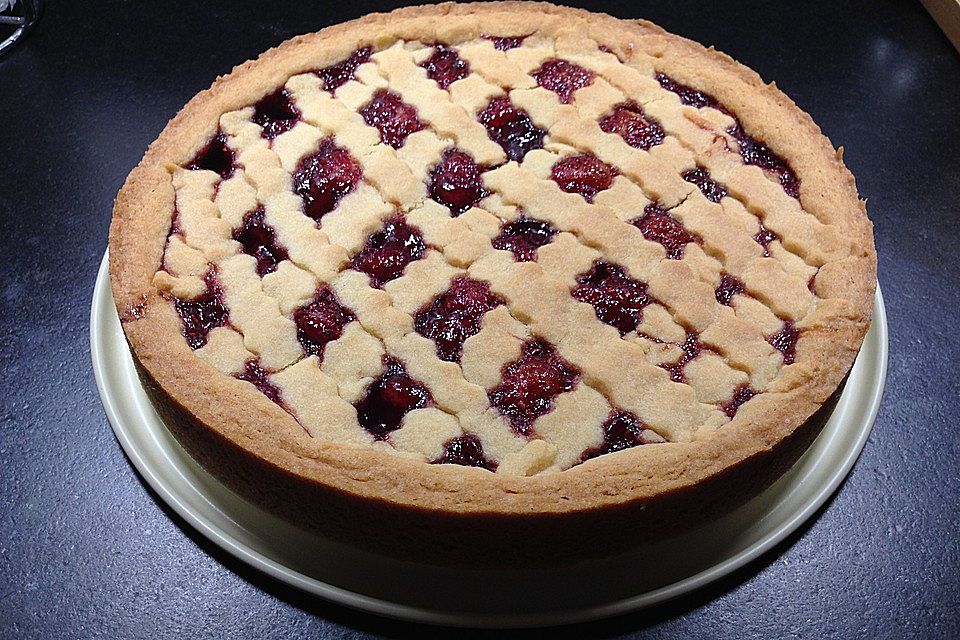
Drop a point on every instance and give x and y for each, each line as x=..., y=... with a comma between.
x=482, y=598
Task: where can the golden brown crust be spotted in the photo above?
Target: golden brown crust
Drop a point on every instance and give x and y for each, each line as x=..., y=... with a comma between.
x=763, y=435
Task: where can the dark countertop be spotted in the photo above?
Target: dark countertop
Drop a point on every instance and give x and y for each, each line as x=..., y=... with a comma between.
x=87, y=551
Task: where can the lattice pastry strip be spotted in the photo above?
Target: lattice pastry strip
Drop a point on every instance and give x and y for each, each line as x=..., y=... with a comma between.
x=266, y=332
x=326, y=410
x=409, y=293
x=705, y=133
x=787, y=294
x=225, y=351
x=699, y=128
x=309, y=248
x=616, y=367
x=353, y=216
x=198, y=236
x=449, y=389
x=567, y=260
x=661, y=183
x=255, y=315
x=544, y=163
x=595, y=226
x=313, y=399
x=462, y=239
x=434, y=106
x=338, y=117
x=674, y=159
x=682, y=285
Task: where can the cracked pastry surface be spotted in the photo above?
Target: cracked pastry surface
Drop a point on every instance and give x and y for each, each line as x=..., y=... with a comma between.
x=503, y=251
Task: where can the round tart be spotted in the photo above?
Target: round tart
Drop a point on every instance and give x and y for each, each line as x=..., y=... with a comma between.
x=500, y=276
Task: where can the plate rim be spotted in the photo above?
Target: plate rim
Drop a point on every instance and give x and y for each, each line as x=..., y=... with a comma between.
x=102, y=304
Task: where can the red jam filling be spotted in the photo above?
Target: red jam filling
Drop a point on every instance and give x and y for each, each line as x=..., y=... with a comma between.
x=505, y=44
x=389, y=398
x=688, y=95
x=259, y=240
x=617, y=299
x=621, y=430
x=204, y=313
x=445, y=66
x=455, y=182
x=785, y=341
x=729, y=286
x=466, y=451
x=628, y=121
x=321, y=321
x=388, y=251
x=324, y=177
x=659, y=226
x=529, y=385
x=563, y=78
x=523, y=237
x=392, y=117
x=276, y=114
x=764, y=237
x=710, y=188
x=752, y=151
x=215, y=156
x=342, y=72
x=691, y=349
x=740, y=395
x=455, y=315
x=585, y=174
x=258, y=377
x=758, y=154
x=511, y=128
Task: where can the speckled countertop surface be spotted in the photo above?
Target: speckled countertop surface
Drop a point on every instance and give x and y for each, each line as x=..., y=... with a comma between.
x=87, y=551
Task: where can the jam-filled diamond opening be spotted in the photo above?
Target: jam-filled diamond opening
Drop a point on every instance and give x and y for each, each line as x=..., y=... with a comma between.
x=321, y=321
x=688, y=95
x=387, y=252
x=216, y=156
x=617, y=299
x=638, y=130
x=337, y=75
x=204, y=313
x=456, y=182
x=392, y=117
x=785, y=341
x=445, y=66
x=585, y=174
x=710, y=188
x=529, y=385
x=764, y=237
x=455, y=315
x=728, y=288
x=466, y=451
x=501, y=43
x=511, y=128
x=259, y=240
x=325, y=176
x=741, y=395
x=691, y=350
x=523, y=237
x=389, y=398
x=254, y=373
x=562, y=77
x=659, y=226
x=621, y=430
x=755, y=153
x=276, y=113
